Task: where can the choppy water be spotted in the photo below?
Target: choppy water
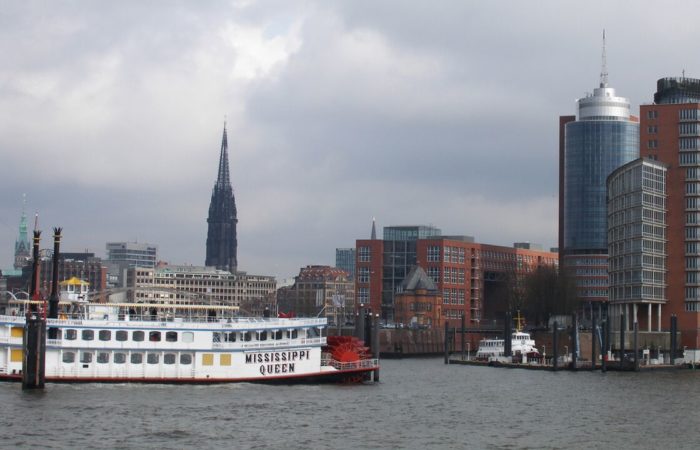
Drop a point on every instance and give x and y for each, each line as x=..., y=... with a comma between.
x=420, y=403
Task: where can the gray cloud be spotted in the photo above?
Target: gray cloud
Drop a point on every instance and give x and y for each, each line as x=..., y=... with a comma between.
x=111, y=114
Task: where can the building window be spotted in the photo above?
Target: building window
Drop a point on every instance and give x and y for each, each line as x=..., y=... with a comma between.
x=363, y=275
x=363, y=254
x=433, y=253
x=652, y=114
x=363, y=295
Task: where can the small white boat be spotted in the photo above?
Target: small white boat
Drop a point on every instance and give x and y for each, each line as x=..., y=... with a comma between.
x=521, y=345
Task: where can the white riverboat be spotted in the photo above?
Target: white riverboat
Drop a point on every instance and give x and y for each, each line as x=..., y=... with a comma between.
x=521, y=345
x=134, y=342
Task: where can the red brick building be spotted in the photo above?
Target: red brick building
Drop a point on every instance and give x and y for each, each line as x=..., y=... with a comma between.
x=670, y=133
x=473, y=278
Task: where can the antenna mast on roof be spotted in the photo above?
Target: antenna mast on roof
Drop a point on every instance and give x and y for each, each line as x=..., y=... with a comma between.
x=604, y=66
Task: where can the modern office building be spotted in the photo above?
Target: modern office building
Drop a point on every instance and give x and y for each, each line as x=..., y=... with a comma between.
x=600, y=138
x=345, y=259
x=222, y=240
x=122, y=256
x=670, y=133
x=637, y=243
x=471, y=277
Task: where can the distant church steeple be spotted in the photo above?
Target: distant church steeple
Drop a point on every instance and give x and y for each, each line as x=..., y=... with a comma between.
x=222, y=243
x=22, y=247
x=374, y=230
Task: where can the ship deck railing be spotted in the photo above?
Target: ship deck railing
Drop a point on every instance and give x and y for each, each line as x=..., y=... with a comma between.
x=248, y=322
x=370, y=363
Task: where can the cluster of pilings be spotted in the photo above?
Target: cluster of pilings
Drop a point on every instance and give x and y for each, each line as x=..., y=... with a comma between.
x=367, y=328
x=34, y=340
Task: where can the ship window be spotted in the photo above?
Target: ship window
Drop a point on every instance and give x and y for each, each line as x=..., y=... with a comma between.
x=122, y=335
x=186, y=359
x=136, y=358
x=103, y=357
x=169, y=358
x=119, y=358
x=138, y=336
x=277, y=335
x=187, y=336
x=208, y=359
x=68, y=357
x=232, y=336
x=154, y=336
x=293, y=334
x=171, y=336
x=312, y=332
x=16, y=355
x=88, y=335
x=71, y=335
x=262, y=335
x=225, y=359
x=216, y=337
x=152, y=358
x=246, y=336
x=85, y=357
x=105, y=335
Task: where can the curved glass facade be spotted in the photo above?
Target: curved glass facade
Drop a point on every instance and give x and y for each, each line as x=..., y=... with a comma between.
x=593, y=149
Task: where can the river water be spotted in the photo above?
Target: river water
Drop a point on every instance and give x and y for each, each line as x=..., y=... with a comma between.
x=419, y=403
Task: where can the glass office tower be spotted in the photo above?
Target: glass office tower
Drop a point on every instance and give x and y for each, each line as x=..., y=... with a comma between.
x=602, y=138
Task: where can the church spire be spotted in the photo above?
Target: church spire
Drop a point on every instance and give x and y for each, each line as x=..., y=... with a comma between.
x=223, y=178
x=22, y=247
x=374, y=230
x=222, y=242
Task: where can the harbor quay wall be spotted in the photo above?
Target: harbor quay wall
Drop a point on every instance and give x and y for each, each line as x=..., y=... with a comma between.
x=403, y=342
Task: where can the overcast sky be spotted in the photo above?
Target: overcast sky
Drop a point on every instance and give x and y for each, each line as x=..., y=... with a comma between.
x=442, y=113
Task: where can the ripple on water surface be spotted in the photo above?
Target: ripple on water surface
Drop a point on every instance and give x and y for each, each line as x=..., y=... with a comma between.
x=420, y=403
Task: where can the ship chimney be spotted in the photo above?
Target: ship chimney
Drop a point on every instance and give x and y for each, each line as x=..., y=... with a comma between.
x=34, y=288
x=53, y=299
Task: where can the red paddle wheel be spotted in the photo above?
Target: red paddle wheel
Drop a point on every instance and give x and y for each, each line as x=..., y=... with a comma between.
x=346, y=349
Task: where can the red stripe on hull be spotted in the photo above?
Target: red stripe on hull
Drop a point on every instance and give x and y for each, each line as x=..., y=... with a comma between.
x=344, y=376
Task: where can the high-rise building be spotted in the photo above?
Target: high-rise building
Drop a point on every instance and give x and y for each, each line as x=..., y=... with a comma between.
x=222, y=243
x=345, y=259
x=122, y=256
x=670, y=133
x=602, y=137
x=22, y=246
x=637, y=243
